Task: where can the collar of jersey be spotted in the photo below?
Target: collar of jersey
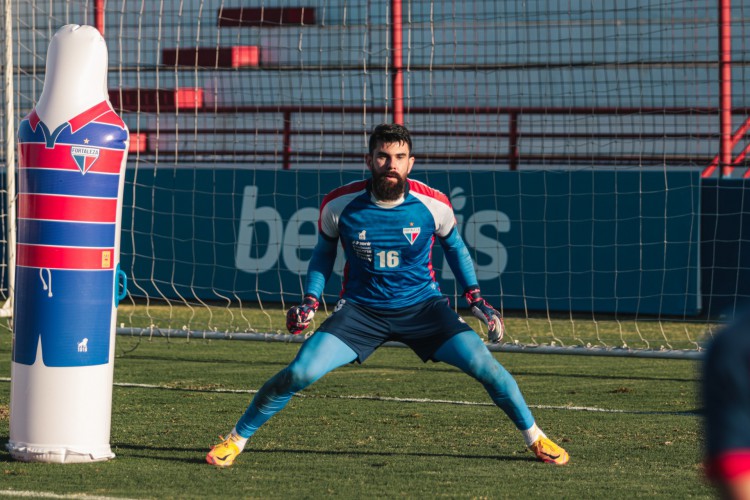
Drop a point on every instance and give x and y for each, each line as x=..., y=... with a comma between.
x=386, y=204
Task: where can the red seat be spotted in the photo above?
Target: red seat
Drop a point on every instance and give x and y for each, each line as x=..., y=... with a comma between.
x=138, y=143
x=156, y=99
x=213, y=57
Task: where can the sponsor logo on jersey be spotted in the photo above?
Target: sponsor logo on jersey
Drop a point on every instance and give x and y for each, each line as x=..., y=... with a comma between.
x=84, y=156
x=362, y=249
x=411, y=233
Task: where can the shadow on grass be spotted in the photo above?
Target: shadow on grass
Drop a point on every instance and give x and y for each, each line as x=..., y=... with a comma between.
x=418, y=367
x=153, y=452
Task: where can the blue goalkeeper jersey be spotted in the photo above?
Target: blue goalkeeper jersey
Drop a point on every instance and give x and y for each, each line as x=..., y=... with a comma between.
x=388, y=245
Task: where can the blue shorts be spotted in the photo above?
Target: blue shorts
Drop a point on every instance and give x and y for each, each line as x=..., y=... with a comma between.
x=423, y=327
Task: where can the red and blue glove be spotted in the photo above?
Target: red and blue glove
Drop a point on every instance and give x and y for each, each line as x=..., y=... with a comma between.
x=486, y=313
x=298, y=318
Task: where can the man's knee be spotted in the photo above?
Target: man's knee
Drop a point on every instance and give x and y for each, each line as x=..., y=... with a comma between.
x=300, y=375
x=485, y=368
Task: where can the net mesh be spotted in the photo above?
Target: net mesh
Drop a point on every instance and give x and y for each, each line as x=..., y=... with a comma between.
x=570, y=137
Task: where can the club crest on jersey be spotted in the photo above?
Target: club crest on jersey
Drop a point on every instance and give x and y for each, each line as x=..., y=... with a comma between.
x=411, y=233
x=84, y=157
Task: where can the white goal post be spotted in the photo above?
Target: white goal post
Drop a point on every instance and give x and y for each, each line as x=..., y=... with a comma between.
x=573, y=146
x=10, y=160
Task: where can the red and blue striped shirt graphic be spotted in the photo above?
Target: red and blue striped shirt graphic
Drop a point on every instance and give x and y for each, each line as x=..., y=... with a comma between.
x=68, y=187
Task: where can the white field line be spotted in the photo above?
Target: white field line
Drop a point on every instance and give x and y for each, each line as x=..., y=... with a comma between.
x=43, y=494
x=401, y=400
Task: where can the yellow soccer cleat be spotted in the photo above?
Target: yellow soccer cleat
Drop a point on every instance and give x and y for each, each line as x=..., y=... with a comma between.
x=547, y=451
x=224, y=453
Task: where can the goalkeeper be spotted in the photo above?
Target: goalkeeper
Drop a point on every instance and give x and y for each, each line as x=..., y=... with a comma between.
x=386, y=226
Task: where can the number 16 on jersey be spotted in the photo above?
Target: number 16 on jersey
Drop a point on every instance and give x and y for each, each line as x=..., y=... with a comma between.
x=387, y=259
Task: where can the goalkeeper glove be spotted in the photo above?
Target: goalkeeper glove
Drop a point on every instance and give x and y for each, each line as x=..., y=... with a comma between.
x=486, y=313
x=298, y=318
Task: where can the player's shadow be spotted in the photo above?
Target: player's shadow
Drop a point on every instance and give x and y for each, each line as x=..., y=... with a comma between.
x=197, y=455
x=123, y=451
x=275, y=366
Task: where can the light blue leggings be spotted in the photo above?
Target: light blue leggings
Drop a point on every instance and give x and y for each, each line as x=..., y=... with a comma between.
x=323, y=352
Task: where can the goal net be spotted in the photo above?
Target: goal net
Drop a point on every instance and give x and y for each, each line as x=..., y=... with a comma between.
x=571, y=137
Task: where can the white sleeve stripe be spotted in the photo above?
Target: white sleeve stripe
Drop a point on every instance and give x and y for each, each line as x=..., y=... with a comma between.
x=329, y=217
x=442, y=213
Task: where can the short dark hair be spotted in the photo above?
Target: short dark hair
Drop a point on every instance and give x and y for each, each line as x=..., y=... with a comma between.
x=388, y=133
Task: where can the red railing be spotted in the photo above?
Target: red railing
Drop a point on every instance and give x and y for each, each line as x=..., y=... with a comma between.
x=516, y=134
x=725, y=93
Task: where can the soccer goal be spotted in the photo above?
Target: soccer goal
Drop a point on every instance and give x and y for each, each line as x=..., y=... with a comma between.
x=588, y=150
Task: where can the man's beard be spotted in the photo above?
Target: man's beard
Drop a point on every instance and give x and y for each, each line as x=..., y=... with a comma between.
x=385, y=189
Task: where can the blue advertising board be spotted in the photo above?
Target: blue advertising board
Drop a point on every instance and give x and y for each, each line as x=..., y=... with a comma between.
x=725, y=259
x=605, y=241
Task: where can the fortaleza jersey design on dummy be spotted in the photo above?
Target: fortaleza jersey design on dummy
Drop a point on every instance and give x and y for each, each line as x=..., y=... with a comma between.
x=67, y=213
x=388, y=246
